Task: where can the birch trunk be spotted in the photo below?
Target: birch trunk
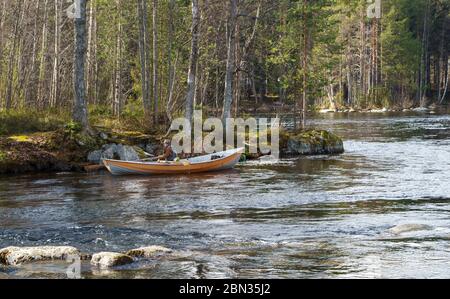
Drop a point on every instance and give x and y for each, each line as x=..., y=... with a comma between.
x=155, y=62
x=2, y=21
x=143, y=47
x=189, y=109
x=56, y=58
x=229, y=74
x=11, y=60
x=169, y=58
x=80, y=113
x=117, y=94
x=91, y=54
x=30, y=89
x=42, y=68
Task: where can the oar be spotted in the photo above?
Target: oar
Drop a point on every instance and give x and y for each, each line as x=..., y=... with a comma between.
x=148, y=155
x=150, y=159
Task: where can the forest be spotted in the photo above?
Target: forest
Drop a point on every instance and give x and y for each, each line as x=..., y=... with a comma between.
x=152, y=61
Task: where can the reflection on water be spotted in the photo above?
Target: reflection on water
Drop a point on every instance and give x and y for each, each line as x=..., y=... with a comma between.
x=313, y=217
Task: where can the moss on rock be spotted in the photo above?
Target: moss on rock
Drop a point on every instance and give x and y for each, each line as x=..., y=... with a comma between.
x=311, y=142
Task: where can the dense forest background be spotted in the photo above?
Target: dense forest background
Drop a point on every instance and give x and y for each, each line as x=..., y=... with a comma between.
x=157, y=59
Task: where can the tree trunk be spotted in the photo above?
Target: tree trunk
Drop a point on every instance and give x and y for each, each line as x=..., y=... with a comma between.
x=362, y=55
x=305, y=63
x=42, y=68
x=170, y=100
x=80, y=113
x=424, y=58
x=446, y=76
x=30, y=89
x=9, y=88
x=117, y=94
x=189, y=110
x=155, y=62
x=91, y=58
x=2, y=21
x=142, y=37
x=229, y=74
x=171, y=67
x=56, y=59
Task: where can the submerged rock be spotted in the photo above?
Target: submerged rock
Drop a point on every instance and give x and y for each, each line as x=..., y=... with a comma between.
x=327, y=111
x=110, y=259
x=406, y=228
x=383, y=110
x=148, y=252
x=313, y=142
x=19, y=255
x=421, y=109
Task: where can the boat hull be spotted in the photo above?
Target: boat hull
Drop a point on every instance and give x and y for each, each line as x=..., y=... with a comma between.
x=228, y=160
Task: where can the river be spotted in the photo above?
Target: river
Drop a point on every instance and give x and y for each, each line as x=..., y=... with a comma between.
x=313, y=217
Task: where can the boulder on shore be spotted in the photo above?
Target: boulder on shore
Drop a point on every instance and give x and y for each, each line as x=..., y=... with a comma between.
x=148, y=252
x=127, y=153
x=95, y=156
x=19, y=255
x=113, y=151
x=110, y=259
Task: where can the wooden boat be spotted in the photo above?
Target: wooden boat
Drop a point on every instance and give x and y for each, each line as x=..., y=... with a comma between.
x=208, y=163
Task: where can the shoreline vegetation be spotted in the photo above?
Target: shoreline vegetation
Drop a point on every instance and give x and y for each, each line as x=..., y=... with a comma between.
x=32, y=143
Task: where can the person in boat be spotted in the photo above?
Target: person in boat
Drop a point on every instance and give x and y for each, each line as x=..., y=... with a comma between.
x=169, y=154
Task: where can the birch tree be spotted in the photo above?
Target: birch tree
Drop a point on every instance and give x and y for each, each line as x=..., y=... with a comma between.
x=189, y=110
x=80, y=113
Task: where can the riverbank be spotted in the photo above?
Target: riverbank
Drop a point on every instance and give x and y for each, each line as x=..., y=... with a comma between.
x=429, y=109
x=64, y=149
x=67, y=150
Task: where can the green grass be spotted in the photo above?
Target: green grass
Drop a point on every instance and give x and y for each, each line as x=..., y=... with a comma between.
x=21, y=138
x=28, y=121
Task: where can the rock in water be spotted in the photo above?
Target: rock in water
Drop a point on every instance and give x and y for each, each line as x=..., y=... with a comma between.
x=299, y=148
x=406, y=228
x=148, y=252
x=19, y=255
x=127, y=153
x=312, y=142
x=110, y=259
x=421, y=109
